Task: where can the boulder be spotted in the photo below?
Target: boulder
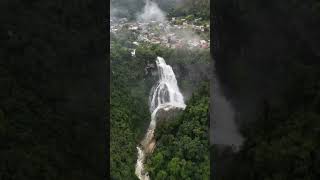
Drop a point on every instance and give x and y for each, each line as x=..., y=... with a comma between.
x=171, y=112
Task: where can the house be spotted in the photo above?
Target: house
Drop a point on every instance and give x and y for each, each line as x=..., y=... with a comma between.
x=135, y=43
x=133, y=28
x=133, y=52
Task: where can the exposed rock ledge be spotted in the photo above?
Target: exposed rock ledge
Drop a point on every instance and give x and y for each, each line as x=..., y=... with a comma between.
x=167, y=114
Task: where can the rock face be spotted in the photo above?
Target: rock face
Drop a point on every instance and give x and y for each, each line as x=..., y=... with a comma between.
x=148, y=144
x=164, y=115
x=149, y=149
x=150, y=69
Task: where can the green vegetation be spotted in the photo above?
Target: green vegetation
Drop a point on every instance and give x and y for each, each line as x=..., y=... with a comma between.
x=129, y=110
x=283, y=142
x=126, y=8
x=54, y=93
x=130, y=116
x=131, y=81
x=52, y=90
x=269, y=67
x=191, y=9
x=182, y=150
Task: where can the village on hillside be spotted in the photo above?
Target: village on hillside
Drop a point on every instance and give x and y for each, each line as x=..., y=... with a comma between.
x=176, y=33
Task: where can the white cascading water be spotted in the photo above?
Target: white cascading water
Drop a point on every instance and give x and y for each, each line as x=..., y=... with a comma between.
x=164, y=95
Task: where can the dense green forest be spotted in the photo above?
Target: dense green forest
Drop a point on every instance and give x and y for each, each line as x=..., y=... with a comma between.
x=268, y=63
x=53, y=90
x=129, y=110
x=183, y=142
x=197, y=8
x=130, y=87
x=132, y=78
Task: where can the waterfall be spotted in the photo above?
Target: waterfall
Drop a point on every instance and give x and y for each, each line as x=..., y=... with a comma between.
x=164, y=95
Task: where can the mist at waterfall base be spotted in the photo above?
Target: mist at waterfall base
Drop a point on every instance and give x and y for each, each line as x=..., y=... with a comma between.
x=165, y=95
